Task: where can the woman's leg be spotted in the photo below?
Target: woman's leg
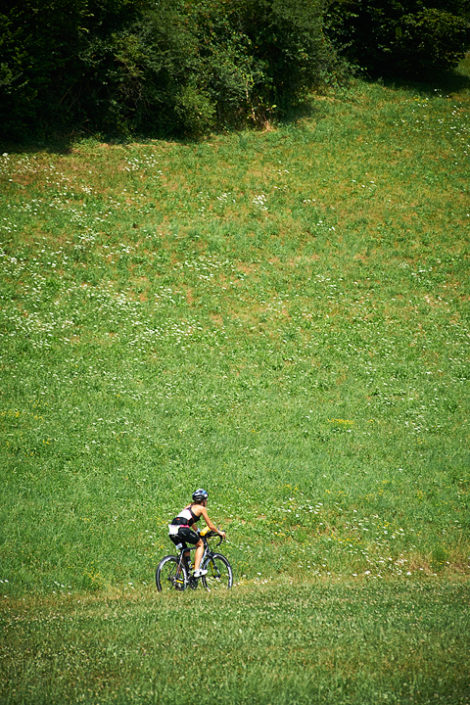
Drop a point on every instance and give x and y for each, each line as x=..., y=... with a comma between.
x=199, y=554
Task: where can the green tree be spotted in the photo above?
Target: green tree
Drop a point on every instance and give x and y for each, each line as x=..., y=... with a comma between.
x=400, y=37
x=184, y=66
x=43, y=79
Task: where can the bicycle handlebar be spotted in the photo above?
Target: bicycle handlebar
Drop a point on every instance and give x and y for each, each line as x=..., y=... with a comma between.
x=211, y=534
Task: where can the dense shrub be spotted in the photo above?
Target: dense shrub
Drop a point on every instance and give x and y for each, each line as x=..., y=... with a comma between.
x=400, y=37
x=42, y=78
x=199, y=65
x=174, y=65
x=189, y=66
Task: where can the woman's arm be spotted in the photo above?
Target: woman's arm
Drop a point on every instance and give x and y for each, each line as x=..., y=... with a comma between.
x=209, y=523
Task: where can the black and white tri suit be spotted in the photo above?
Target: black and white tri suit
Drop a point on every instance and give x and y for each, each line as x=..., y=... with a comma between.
x=184, y=521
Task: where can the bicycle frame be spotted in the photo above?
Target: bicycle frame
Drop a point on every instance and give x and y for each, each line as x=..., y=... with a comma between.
x=180, y=576
x=208, y=553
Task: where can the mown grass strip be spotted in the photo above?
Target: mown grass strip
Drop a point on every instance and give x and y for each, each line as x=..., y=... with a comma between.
x=289, y=641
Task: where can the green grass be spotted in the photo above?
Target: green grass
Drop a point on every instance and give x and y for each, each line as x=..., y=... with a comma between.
x=298, y=643
x=279, y=316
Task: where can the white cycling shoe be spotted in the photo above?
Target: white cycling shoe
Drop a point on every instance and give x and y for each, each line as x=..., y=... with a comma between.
x=199, y=573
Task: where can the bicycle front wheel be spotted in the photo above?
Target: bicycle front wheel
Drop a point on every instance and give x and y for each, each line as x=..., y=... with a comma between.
x=170, y=575
x=219, y=573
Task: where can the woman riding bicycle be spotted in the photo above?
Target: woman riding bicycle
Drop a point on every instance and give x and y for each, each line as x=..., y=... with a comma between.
x=180, y=530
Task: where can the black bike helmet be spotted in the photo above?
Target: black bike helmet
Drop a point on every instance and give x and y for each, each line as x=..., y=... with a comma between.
x=200, y=495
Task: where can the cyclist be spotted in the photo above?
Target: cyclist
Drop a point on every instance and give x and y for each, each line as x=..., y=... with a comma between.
x=180, y=530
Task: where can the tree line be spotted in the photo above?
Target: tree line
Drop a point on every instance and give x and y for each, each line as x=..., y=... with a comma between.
x=184, y=67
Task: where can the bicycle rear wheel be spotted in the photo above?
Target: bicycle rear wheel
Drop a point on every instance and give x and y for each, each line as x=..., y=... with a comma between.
x=219, y=573
x=170, y=575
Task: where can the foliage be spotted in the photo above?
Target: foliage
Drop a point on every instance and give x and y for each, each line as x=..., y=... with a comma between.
x=175, y=65
x=190, y=66
x=400, y=38
x=43, y=79
x=194, y=66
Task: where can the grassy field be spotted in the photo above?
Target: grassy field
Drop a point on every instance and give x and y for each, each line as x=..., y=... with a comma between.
x=280, y=317
x=326, y=642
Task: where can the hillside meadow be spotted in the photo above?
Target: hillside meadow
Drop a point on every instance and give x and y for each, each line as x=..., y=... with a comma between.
x=280, y=316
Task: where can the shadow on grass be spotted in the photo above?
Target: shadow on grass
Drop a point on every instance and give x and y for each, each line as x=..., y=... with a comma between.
x=451, y=82
x=446, y=83
x=63, y=142
x=54, y=142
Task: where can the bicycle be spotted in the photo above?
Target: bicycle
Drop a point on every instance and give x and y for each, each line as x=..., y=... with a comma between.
x=174, y=572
